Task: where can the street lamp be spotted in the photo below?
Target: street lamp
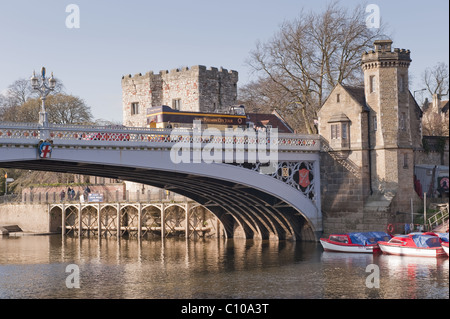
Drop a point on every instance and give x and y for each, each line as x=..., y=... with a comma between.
x=44, y=86
x=414, y=93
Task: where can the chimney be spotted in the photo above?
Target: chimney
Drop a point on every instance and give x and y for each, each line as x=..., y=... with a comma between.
x=436, y=103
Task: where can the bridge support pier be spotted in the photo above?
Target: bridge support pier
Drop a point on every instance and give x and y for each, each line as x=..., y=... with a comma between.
x=187, y=232
x=80, y=220
x=99, y=222
x=63, y=217
x=163, y=221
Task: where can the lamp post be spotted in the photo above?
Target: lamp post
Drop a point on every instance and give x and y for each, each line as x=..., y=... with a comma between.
x=44, y=87
x=414, y=93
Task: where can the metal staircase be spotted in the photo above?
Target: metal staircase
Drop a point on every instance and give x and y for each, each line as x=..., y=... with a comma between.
x=439, y=221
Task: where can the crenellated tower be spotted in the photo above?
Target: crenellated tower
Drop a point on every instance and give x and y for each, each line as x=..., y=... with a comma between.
x=394, y=124
x=195, y=89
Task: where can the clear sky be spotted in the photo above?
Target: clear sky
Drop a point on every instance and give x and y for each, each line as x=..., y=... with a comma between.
x=119, y=37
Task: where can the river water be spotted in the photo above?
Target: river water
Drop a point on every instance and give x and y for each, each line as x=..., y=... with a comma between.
x=42, y=267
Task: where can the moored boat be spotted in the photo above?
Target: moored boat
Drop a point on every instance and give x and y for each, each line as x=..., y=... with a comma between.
x=445, y=247
x=444, y=241
x=413, y=244
x=356, y=242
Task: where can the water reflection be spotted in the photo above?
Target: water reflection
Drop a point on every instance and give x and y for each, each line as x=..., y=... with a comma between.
x=34, y=267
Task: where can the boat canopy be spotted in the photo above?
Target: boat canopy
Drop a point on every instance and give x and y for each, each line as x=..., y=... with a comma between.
x=443, y=236
x=424, y=241
x=368, y=238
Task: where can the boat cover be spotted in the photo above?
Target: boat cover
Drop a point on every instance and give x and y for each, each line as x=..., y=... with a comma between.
x=443, y=236
x=426, y=241
x=368, y=238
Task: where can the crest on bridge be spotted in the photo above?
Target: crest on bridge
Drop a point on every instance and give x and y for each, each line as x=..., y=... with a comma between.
x=45, y=149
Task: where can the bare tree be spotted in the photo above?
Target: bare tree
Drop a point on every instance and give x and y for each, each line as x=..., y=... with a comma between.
x=436, y=79
x=435, y=124
x=21, y=91
x=310, y=55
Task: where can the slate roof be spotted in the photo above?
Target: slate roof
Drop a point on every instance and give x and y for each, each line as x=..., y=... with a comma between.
x=262, y=119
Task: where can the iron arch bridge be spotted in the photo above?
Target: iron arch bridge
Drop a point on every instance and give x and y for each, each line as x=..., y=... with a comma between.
x=277, y=200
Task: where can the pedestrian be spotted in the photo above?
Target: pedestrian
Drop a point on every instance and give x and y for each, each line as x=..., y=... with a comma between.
x=62, y=195
x=69, y=193
x=87, y=190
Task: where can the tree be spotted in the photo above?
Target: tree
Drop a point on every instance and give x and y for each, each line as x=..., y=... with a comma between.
x=61, y=108
x=436, y=79
x=434, y=120
x=21, y=91
x=17, y=94
x=308, y=56
x=435, y=124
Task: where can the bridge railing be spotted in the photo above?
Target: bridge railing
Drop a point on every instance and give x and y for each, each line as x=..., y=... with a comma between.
x=53, y=197
x=30, y=133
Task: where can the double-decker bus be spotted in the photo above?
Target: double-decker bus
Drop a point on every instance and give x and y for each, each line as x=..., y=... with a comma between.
x=166, y=117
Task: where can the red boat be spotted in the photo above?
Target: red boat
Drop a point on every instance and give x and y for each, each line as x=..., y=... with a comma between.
x=414, y=244
x=444, y=241
x=365, y=242
x=445, y=247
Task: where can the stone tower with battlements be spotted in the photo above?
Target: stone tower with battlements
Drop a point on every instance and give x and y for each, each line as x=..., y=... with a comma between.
x=195, y=89
x=395, y=129
x=369, y=138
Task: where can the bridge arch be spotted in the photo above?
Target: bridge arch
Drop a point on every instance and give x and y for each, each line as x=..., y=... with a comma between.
x=263, y=206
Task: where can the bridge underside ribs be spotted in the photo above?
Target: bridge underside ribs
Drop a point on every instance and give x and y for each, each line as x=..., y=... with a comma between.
x=242, y=211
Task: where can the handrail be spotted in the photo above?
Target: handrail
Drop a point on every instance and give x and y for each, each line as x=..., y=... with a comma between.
x=28, y=132
x=439, y=218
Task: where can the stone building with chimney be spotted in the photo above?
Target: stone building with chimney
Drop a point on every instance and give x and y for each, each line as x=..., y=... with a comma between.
x=371, y=141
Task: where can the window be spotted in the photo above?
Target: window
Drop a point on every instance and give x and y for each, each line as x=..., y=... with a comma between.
x=405, y=160
x=344, y=130
x=375, y=123
x=372, y=83
x=339, y=126
x=401, y=83
x=338, y=98
x=134, y=108
x=335, y=131
x=402, y=121
x=176, y=104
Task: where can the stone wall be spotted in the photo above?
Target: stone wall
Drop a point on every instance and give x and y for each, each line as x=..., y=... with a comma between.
x=433, y=153
x=199, y=89
x=218, y=89
x=137, y=89
x=30, y=218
